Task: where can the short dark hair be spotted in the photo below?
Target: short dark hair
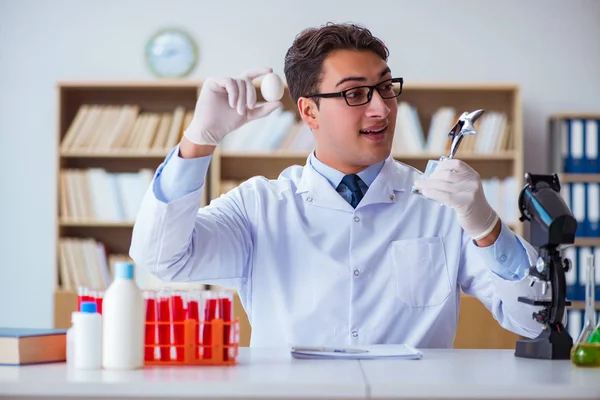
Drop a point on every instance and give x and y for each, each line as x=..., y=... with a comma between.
x=304, y=59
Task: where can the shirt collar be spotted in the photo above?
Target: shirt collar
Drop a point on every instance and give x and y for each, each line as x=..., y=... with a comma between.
x=334, y=176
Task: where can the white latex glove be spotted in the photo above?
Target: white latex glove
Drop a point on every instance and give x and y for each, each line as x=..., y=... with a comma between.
x=458, y=185
x=224, y=105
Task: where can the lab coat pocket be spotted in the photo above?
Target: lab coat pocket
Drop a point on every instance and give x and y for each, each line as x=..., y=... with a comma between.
x=420, y=271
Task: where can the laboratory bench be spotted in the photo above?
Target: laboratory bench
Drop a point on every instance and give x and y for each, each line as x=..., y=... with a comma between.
x=266, y=373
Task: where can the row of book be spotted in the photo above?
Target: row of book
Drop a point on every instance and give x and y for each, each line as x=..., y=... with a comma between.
x=94, y=194
x=493, y=133
x=86, y=262
x=503, y=195
x=576, y=277
x=576, y=143
x=583, y=198
x=103, y=128
x=280, y=131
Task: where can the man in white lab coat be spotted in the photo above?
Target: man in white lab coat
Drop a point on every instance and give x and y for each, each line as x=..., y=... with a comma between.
x=338, y=251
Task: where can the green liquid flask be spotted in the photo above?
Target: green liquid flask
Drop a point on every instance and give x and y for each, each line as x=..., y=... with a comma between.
x=586, y=351
x=595, y=336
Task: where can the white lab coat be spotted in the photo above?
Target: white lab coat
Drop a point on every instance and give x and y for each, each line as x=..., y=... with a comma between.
x=310, y=269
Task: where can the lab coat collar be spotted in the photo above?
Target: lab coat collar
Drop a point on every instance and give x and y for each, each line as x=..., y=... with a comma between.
x=334, y=176
x=316, y=189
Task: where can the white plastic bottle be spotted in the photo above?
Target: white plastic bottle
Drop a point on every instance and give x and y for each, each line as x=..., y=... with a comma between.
x=123, y=313
x=86, y=338
x=71, y=343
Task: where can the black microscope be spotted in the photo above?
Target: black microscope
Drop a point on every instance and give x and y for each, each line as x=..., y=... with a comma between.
x=552, y=226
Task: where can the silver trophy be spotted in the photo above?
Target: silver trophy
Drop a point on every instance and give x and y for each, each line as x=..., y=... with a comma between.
x=464, y=126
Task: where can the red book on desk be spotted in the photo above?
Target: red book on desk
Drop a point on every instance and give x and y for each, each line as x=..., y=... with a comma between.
x=22, y=346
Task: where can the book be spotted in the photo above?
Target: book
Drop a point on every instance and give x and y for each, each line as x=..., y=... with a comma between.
x=22, y=346
x=368, y=352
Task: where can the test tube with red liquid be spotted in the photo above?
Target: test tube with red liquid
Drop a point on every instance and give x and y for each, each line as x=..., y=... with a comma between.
x=164, y=327
x=151, y=327
x=194, y=305
x=225, y=312
x=99, y=298
x=91, y=295
x=178, y=313
x=82, y=296
x=210, y=313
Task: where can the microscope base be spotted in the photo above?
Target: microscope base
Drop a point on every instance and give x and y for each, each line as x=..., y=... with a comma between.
x=552, y=344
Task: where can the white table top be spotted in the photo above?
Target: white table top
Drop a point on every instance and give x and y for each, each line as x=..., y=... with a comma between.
x=479, y=374
x=272, y=373
x=259, y=374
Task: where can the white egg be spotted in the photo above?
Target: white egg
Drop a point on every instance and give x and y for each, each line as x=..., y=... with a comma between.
x=272, y=87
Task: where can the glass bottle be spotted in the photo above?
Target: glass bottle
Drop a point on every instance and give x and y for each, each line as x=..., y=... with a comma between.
x=586, y=353
x=595, y=336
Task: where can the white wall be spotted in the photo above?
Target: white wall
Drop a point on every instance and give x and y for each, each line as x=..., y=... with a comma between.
x=549, y=47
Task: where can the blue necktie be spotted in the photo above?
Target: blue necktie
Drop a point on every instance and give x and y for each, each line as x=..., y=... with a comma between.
x=351, y=182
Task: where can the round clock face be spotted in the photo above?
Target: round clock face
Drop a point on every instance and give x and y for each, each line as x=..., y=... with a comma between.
x=171, y=54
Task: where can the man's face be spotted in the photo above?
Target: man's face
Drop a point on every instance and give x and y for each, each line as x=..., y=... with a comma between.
x=350, y=138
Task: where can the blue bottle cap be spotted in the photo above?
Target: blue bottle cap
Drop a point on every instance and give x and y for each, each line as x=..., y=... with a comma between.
x=123, y=270
x=89, y=307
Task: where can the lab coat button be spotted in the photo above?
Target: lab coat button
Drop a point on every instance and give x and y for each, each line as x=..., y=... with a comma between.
x=309, y=199
x=392, y=198
x=356, y=272
x=503, y=258
x=356, y=219
x=355, y=333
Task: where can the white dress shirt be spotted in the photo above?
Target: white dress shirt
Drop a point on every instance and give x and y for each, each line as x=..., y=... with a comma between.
x=311, y=269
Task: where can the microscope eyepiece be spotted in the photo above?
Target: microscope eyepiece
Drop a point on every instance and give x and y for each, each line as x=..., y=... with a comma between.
x=540, y=202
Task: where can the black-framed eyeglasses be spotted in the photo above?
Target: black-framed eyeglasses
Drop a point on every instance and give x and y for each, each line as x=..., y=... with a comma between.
x=359, y=95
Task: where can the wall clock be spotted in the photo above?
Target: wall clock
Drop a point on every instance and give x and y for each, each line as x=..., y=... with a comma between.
x=171, y=53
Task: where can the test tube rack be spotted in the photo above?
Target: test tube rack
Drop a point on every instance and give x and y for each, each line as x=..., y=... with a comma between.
x=217, y=352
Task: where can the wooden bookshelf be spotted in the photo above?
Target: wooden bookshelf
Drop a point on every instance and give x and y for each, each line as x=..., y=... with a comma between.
x=114, y=234
x=588, y=174
x=477, y=328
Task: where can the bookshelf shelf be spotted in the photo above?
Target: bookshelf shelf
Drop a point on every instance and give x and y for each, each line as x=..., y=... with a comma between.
x=587, y=241
x=575, y=115
x=168, y=84
x=269, y=164
x=567, y=178
x=116, y=154
x=580, y=305
x=265, y=154
x=230, y=166
x=95, y=224
x=504, y=156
